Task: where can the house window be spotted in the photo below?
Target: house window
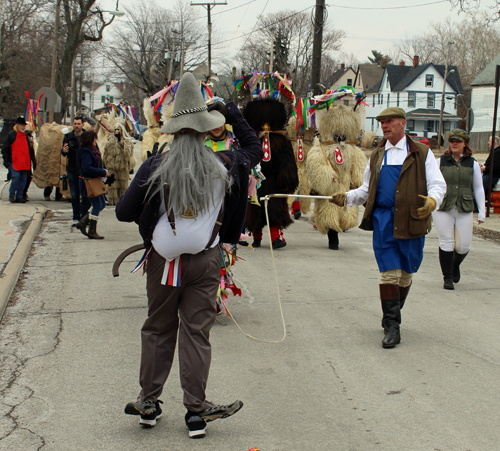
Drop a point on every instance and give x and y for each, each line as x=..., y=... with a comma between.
x=108, y=87
x=397, y=100
x=378, y=103
x=431, y=97
x=349, y=82
x=446, y=126
x=346, y=102
x=429, y=81
x=83, y=96
x=381, y=99
x=388, y=97
x=387, y=82
x=103, y=99
x=373, y=99
x=110, y=99
x=411, y=99
x=411, y=125
x=430, y=126
x=455, y=103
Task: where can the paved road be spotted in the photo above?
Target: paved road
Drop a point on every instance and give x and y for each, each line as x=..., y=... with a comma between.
x=70, y=352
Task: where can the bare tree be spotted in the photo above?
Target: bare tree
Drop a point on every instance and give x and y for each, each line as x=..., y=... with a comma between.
x=294, y=35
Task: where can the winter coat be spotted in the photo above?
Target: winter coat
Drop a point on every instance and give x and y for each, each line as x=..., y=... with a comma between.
x=7, y=148
x=73, y=141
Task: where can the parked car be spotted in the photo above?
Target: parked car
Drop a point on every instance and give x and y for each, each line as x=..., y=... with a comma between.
x=421, y=139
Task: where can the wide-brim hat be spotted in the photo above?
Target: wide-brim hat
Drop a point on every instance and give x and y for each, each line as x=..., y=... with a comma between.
x=392, y=112
x=21, y=121
x=190, y=110
x=459, y=134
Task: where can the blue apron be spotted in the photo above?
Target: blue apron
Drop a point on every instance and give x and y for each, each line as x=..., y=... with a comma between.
x=390, y=252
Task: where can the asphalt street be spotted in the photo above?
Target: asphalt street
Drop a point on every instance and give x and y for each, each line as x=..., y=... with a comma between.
x=71, y=345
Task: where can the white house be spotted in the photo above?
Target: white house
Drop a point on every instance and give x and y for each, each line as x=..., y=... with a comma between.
x=418, y=90
x=483, y=98
x=95, y=96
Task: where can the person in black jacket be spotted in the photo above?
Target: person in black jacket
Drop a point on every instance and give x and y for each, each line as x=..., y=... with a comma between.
x=71, y=144
x=496, y=168
x=18, y=156
x=185, y=201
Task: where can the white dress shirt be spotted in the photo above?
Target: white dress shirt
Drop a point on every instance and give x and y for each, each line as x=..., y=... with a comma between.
x=396, y=155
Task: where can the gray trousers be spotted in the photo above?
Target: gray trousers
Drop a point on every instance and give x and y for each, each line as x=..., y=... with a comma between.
x=187, y=311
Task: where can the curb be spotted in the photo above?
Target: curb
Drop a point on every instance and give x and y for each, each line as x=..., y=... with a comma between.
x=16, y=263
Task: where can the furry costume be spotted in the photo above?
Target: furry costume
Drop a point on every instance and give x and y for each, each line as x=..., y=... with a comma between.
x=323, y=167
x=280, y=171
x=104, y=128
x=307, y=143
x=118, y=158
x=152, y=134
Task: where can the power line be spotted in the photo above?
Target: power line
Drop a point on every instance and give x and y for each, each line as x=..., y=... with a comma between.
x=389, y=7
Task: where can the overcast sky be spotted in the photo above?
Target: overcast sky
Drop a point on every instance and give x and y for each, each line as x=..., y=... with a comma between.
x=368, y=24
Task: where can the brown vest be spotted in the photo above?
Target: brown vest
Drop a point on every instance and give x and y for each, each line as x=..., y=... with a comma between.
x=411, y=183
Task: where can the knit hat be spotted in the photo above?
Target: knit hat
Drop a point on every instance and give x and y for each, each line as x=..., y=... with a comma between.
x=459, y=134
x=392, y=112
x=190, y=110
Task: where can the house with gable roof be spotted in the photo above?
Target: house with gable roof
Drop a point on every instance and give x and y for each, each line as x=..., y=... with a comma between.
x=417, y=89
x=345, y=76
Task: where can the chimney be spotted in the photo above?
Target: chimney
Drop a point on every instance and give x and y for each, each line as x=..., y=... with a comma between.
x=415, y=61
x=342, y=66
x=402, y=63
x=384, y=61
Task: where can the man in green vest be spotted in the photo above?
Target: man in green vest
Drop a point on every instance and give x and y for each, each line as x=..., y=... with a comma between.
x=402, y=185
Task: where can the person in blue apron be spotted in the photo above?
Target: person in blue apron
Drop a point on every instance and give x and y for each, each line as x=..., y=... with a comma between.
x=402, y=185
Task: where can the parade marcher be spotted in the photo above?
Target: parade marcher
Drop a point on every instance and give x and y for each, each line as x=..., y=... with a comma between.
x=18, y=156
x=334, y=164
x=71, y=144
x=453, y=219
x=302, y=141
x=496, y=167
x=402, y=185
x=185, y=203
x=268, y=118
x=152, y=134
x=29, y=177
x=91, y=166
x=118, y=159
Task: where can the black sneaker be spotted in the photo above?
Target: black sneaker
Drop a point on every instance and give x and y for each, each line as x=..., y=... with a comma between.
x=148, y=410
x=215, y=412
x=195, y=425
x=256, y=243
x=277, y=243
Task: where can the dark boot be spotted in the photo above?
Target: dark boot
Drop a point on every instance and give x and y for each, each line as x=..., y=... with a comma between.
x=82, y=224
x=403, y=294
x=333, y=240
x=93, y=235
x=457, y=260
x=446, y=262
x=389, y=296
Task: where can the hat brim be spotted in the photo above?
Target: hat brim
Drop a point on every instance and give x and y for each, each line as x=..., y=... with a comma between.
x=456, y=137
x=202, y=122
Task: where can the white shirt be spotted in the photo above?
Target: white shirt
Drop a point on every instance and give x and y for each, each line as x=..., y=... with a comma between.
x=192, y=234
x=477, y=186
x=436, y=185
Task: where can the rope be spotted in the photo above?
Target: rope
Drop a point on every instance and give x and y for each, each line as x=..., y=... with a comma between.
x=266, y=201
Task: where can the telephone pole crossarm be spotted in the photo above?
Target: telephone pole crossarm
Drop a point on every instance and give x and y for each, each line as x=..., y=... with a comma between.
x=208, y=7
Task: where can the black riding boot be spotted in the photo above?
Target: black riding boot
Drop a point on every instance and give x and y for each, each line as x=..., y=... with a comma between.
x=446, y=261
x=457, y=260
x=389, y=296
x=403, y=294
x=333, y=240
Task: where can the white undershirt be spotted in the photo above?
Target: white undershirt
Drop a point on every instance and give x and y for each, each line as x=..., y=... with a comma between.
x=192, y=234
x=396, y=155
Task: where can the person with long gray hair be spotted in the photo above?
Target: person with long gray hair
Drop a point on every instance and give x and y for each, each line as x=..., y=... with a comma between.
x=185, y=201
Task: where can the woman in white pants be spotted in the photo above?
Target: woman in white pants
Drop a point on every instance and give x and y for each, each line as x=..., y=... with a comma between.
x=453, y=220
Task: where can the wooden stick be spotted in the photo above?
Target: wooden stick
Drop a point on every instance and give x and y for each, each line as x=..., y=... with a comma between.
x=269, y=196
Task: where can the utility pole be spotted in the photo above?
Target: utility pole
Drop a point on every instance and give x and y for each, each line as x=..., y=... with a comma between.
x=442, y=106
x=271, y=56
x=55, y=50
x=319, y=20
x=208, y=7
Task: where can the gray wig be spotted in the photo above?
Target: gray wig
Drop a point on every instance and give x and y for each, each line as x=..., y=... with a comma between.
x=193, y=172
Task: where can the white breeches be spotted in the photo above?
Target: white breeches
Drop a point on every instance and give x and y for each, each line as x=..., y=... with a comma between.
x=454, y=230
